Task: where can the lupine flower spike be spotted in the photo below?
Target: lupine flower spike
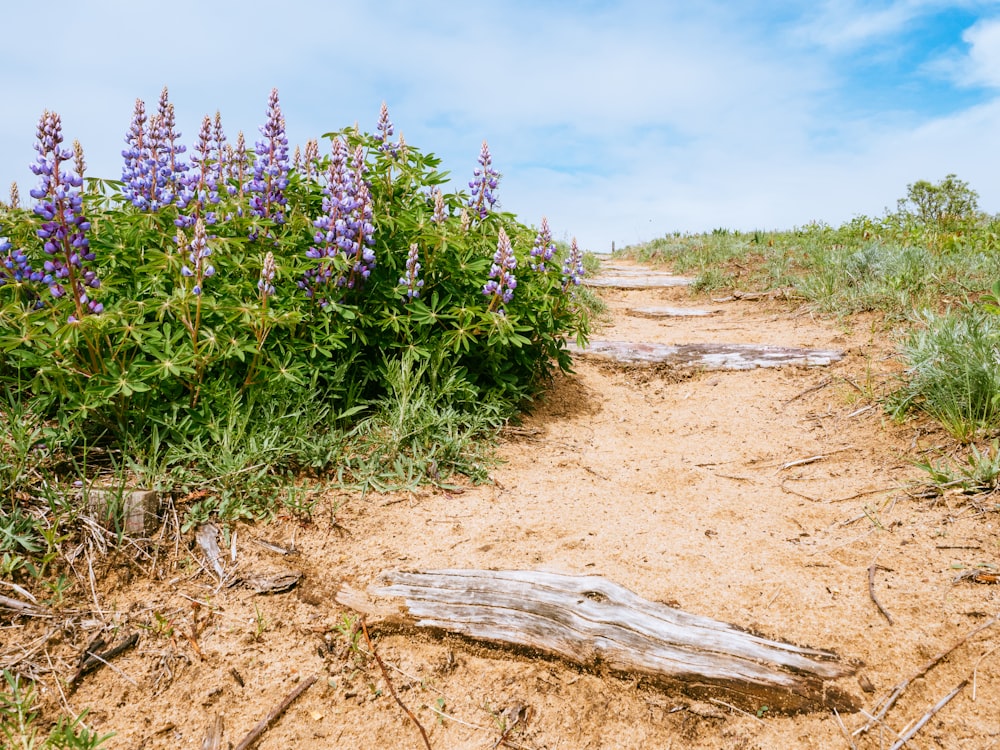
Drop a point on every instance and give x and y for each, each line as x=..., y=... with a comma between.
x=14, y=265
x=170, y=166
x=64, y=226
x=221, y=148
x=439, y=211
x=543, y=249
x=484, y=182
x=572, y=270
x=361, y=229
x=237, y=172
x=270, y=173
x=265, y=285
x=310, y=158
x=331, y=226
x=385, y=131
x=79, y=164
x=412, y=280
x=198, y=268
x=502, y=281
x=135, y=179
x=15, y=196
x=200, y=188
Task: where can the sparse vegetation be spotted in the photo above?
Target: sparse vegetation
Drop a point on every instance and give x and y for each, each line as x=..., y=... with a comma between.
x=924, y=268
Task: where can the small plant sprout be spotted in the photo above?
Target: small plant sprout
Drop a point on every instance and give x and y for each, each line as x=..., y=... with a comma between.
x=500, y=288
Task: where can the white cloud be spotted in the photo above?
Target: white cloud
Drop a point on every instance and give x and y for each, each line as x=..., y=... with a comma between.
x=618, y=120
x=981, y=65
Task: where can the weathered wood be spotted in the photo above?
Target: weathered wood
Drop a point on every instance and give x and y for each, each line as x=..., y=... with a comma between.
x=632, y=271
x=669, y=312
x=646, y=281
x=595, y=623
x=137, y=510
x=708, y=356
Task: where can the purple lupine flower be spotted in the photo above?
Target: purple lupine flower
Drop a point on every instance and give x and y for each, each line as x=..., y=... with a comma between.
x=265, y=284
x=199, y=188
x=170, y=166
x=135, y=177
x=221, y=149
x=543, y=249
x=198, y=250
x=14, y=265
x=363, y=233
x=64, y=226
x=385, y=131
x=337, y=205
x=237, y=162
x=270, y=175
x=572, y=270
x=484, y=182
x=502, y=281
x=412, y=280
x=345, y=228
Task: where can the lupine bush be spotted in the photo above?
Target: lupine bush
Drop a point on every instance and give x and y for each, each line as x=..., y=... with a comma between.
x=156, y=304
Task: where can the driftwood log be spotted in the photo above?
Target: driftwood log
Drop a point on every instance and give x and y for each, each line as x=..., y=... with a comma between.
x=646, y=281
x=708, y=356
x=598, y=624
x=669, y=312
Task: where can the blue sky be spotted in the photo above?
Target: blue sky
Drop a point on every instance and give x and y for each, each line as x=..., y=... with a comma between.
x=618, y=120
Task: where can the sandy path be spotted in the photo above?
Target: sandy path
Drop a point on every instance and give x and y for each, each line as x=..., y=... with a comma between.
x=760, y=498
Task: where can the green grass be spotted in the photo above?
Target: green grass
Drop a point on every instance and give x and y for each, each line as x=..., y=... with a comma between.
x=923, y=281
x=953, y=371
x=19, y=721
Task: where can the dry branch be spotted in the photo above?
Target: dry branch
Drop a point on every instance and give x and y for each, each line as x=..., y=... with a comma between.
x=901, y=687
x=22, y=608
x=928, y=716
x=254, y=735
x=93, y=659
x=392, y=689
x=595, y=623
x=871, y=591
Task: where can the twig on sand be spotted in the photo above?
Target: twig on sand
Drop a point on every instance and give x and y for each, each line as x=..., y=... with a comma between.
x=388, y=682
x=927, y=716
x=847, y=735
x=819, y=386
x=92, y=660
x=275, y=713
x=871, y=590
x=901, y=687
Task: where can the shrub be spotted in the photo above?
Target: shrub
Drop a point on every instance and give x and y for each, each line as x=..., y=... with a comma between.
x=162, y=302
